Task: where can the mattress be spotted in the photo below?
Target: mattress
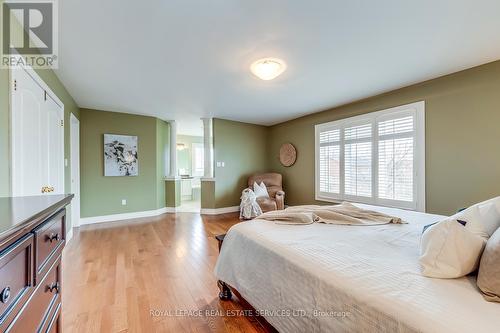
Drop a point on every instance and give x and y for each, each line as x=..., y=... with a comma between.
x=333, y=278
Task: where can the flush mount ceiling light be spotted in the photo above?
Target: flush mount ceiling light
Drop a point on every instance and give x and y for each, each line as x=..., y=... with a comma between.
x=268, y=68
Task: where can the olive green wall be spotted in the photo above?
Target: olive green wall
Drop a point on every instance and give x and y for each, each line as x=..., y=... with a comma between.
x=173, y=193
x=462, y=138
x=103, y=195
x=185, y=156
x=207, y=194
x=242, y=147
x=70, y=107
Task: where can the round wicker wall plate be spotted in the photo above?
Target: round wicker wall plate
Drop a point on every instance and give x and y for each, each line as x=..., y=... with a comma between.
x=288, y=154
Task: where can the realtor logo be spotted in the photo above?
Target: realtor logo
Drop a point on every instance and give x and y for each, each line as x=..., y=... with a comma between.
x=29, y=33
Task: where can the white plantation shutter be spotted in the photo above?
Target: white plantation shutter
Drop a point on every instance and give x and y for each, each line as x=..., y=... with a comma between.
x=377, y=158
x=358, y=160
x=329, y=173
x=395, y=158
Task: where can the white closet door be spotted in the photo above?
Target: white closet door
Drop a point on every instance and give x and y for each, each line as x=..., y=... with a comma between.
x=37, y=136
x=55, y=146
x=28, y=166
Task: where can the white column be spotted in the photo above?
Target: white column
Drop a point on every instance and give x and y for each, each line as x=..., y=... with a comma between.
x=173, y=150
x=207, y=148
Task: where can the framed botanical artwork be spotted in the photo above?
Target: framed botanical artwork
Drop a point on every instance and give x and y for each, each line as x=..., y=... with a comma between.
x=120, y=155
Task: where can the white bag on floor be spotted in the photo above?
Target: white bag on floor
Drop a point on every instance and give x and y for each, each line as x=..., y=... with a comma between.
x=249, y=208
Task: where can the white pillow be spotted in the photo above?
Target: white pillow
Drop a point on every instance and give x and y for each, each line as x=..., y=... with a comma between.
x=483, y=219
x=449, y=250
x=260, y=190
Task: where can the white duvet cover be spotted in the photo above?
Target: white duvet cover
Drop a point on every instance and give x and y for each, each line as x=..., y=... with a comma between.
x=333, y=278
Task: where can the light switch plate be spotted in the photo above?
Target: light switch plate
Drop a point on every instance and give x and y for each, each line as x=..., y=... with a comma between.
x=124, y=202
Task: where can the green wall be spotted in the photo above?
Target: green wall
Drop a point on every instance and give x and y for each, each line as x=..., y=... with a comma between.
x=462, y=138
x=207, y=194
x=242, y=147
x=103, y=195
x=185, y=156
x=173, y=193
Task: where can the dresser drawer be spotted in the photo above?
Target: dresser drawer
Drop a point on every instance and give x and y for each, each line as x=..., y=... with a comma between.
x=49, y=240
x=54, y=326
x=16, y=277
x=39, y=311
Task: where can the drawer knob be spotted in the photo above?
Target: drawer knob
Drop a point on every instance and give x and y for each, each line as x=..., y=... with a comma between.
x=53, y=287
x=5, y=295
x=53, y=237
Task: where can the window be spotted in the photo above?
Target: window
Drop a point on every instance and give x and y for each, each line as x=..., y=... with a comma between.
x=198, y=159
x=377, y=158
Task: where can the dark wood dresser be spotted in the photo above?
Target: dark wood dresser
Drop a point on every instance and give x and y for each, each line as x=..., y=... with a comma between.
x=32, y=237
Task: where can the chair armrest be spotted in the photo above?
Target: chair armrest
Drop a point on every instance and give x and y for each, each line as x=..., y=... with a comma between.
x=280, y=200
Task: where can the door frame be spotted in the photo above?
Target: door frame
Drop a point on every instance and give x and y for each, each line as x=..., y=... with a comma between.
x=34, y=75
x=40, y=82
x=75, y=165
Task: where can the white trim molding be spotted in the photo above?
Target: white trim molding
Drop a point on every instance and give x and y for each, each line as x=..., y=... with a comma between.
x=69, y=235
x=150, y=213
x=126, y=216
x=217, y=211
x=34, y=75
x=208, y=148
x=335, y=137
x=11, y=135
x=209, y=179
x=173, y=150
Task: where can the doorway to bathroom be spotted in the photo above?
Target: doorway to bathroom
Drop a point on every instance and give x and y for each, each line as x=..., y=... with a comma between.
x=190, y=163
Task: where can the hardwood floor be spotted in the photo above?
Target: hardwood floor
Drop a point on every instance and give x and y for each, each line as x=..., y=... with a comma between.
x=148, y=275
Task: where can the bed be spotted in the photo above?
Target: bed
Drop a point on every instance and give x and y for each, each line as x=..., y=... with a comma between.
x=333, y=278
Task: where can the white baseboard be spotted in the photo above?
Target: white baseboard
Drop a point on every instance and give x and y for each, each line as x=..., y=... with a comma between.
x=209, y=179
x=126, y=216
x=69, y=235
x=148, y=213
x=217, y=211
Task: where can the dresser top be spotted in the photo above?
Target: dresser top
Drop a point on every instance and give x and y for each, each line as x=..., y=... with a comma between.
x=22, y=214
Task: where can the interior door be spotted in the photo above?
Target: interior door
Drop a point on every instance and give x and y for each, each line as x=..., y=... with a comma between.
x=37, y=136
x=75, y=170
x=27, y=128
x=55, y=146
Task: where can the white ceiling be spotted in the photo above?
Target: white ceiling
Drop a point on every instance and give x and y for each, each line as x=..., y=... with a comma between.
x=184, y=59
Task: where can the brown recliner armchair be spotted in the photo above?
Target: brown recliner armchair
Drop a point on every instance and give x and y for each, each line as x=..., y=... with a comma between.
x=273, y=181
